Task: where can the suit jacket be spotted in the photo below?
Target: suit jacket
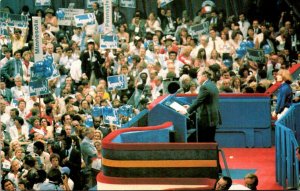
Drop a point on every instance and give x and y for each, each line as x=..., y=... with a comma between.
x=88, y=151
x=8, y=71
x=99, y=16
x=207, y=105
x=86, y=64
x=6, y=94
x=74, y=162
x=165, y=23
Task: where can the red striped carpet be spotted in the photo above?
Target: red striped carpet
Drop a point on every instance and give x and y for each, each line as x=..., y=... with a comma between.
x=258, y=160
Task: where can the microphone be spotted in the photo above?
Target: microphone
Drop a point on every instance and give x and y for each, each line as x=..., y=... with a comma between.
x=180, y=90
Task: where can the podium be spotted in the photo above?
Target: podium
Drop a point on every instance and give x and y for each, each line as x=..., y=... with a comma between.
x=165, y=111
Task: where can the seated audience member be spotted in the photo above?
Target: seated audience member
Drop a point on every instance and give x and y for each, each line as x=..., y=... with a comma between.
x=223, y=183
x=251, y=181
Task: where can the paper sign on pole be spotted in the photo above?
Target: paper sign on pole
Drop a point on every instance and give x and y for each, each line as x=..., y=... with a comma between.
x=128, y=3
x=83, y=19
x=37, y=39
x=37, y=88
x=256, y=55
x=108, y=42
x=117, y=82
x=165, y=2
x=42, y=2
x=67, y=18
x=200, y=29
x=89, y=3
x=107, y=16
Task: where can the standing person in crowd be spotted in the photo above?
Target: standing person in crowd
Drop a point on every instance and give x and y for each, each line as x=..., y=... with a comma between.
x=206, y=106
x=89, y=152
x=285, y=93
x=98, y=13
x=12, y=69
x=91, y=63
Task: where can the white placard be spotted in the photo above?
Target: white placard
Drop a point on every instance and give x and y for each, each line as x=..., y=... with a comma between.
x=108, y=42
x=37, y=39
x=68, y=16
x=128, y=3
x=107, y=16
x=89, y=3
x=83, y=19
x=42, y=2
x=165, y=2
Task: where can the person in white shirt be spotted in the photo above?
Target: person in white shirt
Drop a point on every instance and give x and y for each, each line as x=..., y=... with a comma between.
x=158, y=87
x=244, y=24
x=7, y=53
x=20, y=91
x=19, y=131
x=214, y=41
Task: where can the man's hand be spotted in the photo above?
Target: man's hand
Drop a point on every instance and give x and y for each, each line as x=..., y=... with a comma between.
x=183, y=111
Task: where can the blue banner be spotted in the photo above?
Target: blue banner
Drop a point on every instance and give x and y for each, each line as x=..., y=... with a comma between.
x=118, y=82
x=37, y=88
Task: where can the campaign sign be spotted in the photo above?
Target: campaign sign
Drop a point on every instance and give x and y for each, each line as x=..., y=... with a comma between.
x=108, y=26
x=13, y=21
x=83, y=19
x=89, y=3
x=37, y=39
x=118, y=82
x=42, y=2
x=200, y=29
x=128, y=3
x=110, y=116
x=256, y=55
x=97, y=111
x=37, y=88
x=3, y=29
x=165, y=2
x=108, y=42
x=67, y=16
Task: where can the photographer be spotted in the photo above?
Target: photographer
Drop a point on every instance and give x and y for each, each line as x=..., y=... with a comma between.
x=56, y=181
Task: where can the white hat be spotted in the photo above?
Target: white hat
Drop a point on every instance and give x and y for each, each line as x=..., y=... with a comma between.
x=90, y=40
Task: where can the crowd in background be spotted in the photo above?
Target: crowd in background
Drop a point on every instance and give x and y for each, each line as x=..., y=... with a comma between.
x=46, y=137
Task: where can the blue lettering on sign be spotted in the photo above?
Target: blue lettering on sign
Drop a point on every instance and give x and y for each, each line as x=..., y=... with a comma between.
x=118, y=82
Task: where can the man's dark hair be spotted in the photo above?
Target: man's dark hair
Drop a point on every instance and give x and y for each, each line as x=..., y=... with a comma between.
x=39, y=145
x=16, y=111
x=54, y=175
x=228, y=182
x=20, y=120
x=18, y=51
x=29, y=160
x=6, y=180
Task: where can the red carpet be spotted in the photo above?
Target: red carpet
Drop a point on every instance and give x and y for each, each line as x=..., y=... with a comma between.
x=261, y=159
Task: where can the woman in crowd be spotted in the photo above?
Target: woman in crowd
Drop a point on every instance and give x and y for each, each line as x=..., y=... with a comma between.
x=152, y=23
x=122, y=34
x=51, y=20
x=285, y=93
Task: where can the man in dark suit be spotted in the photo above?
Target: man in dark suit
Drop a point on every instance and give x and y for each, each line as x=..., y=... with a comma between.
x=5, y=92
x=207, y=107
x=72, y=159
x=168, y=23
x=97, y=12
x=12, y=68
x=91, y=63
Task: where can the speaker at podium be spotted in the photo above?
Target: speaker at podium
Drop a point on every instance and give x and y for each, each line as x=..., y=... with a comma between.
x=170, y=86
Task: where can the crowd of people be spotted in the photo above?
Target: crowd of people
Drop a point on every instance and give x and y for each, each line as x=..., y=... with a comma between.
x=46, y=137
